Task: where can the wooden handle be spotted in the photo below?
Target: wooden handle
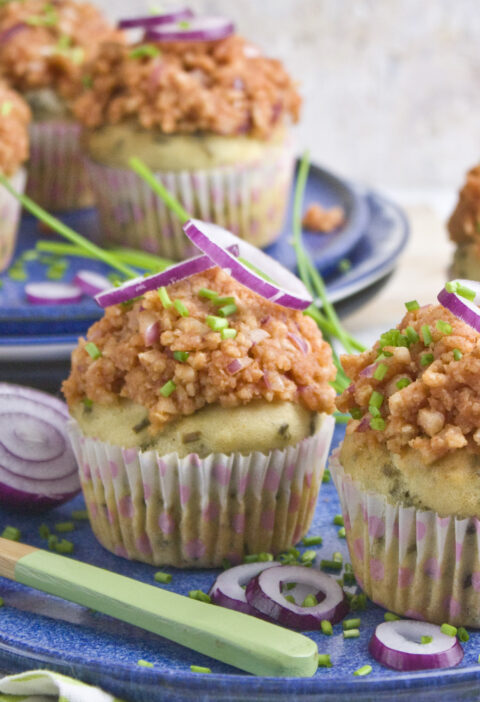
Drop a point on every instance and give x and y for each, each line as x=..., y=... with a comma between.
x=10, y=553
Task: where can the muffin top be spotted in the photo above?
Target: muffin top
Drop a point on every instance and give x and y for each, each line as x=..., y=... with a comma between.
x=225, y=87
x=44, y=44
x=15, y=116
x=419, y=387
x=464, y=223
x=171, y=361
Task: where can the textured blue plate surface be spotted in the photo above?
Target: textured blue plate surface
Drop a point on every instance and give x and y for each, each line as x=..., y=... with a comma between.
x=40, y=630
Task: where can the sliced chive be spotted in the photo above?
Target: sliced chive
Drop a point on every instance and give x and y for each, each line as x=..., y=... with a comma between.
x=374, y=412
x=168, y=388
x=393, y=337
x=463, y=634
x=377, y=424
x=330, y=564
x=79, y=514
x=443, y=327
x=144, y=51
x=426, y=639
x=344, y=265
x=412, y=306
x=310, y=601
x=2, y=601
x=221, y=301
x=349, y=579
x=93, y=350
x=216, y=323
x=290, y=598
x=338, y=520
x=448, y=629
x=251, y=558
x=199, y=669
x=17, y=274
x=308, y=556
x=457, y=354
x=181, y=356
x=356, y=413
x=264, y=557
x=337, y=557
x=289, y=586
x=44, y=531
x=228, y=333
x=226, y=564
x=376, y=399
x=208, y=294
x=426, y=359
x=312, y=541
x=358, y=602
x=293, y=551
x=327, y=476
x=478, y=659
x=351, y=623
x=461, y=290
x=426, y=334
x=403, y=383
x=63, y=527
x=87, y=403
x=380, y=371
x=348, y=568
x=11, y=533
x=341, y=533
x=181, y=308
x=164, y=578
x=227, y=310
x=165, y=298
x=64, y=546
x=326, y=627
x=324, y=660
x=200, y=596
x=412, y=335
x=52, y=541
x=351, y=634
x=364, y=670
x=144, y=664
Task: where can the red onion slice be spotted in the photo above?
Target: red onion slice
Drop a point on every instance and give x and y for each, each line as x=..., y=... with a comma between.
x=214, y=242
x=139, y=286
x=150, y=21
x=463, y=309
x=227, y=590
x=91, y=283
x=195, y=29
x=398, y=645
x=264, y=592
x=12, y=31
x=52, y=293
x=37, y=465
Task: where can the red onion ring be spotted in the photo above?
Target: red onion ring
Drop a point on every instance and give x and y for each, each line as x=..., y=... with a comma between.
x=198, y=29
x=397, y=645
x=264, y=593
x=37, y=465
x=139, y=286
x=214, y=242
x=91, y=283
x=227, y=590
x=463, y=309
x=149, y=21
x=52, y=293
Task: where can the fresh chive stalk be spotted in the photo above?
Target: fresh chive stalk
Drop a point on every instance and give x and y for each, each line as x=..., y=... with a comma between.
x=148, y=176
x=138, y=259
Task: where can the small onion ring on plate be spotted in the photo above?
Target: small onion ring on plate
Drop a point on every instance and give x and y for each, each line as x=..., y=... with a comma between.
x=149, y=21
x=227, y=590
x=91, y=283
x=52, y=293
x=264, y=593
x=465, y=310
x=195, y=29
x=398, y=645
x=214, y=242
x=139, y=286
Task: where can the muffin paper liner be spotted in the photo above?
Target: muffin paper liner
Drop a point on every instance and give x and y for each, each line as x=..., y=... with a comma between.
x=411, y=561
x=249, y=200
x=193, y=512
x=10, y=210
x=57, y=179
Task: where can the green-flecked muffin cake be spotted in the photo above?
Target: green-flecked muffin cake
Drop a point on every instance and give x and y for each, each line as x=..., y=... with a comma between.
x=408, y=471
x=201, y=437
x=210, y=118
x=464, y=228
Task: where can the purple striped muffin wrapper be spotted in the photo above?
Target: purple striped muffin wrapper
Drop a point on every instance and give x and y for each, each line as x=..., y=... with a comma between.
x=249, y=200
x=57, y=179
x=10, y=210
x=411, y=561
x=193, y=512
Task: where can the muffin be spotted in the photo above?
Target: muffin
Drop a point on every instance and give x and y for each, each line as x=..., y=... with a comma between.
x=42, y=49
x=464, y=229
x=195, y=444
x=407, y=471
x=210, y=118
x=15, y=116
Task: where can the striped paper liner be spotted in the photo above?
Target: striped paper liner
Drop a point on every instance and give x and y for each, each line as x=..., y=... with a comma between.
x=10, y=210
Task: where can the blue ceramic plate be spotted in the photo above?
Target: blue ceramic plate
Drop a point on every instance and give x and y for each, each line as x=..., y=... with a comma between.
x=38, y=630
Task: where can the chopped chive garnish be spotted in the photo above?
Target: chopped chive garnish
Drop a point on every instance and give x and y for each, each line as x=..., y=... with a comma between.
x=348, y=568
x=364, y=670
x=393, y=337
x=338, y=520
x=426, y=359
x=448, y=629
x=327, y=476
x=160, y=577
x=168, y=388
x=402, y=383
x=374, y=412
x=308, y=556
x=44, y=531
x=2, y=602
x=11, y=533
x=6, y=108
x=351, y=623
x=290, y=598
x=312, y=541
x=376, y=399
x=358, y=602
x=64, y=546
x=144, y=664
x=443, y=327
x=228, y=333
x=265, y=557
x=250, y=558
x=80, y=514
x=457, y=354
x=377, y=424
x=199, y=669
x=330, y=564
x=348, y=578
x=181, y=308
x=93, y=350
x=164, y=298
x=412, y=335
x=324, y=660
x=208, y=294
x=326, y=627
x=351, y=634
x=337, y=556
x=463, y=634
x=17, y=274
x=310, y=601
x=221, y=301
x=87, y=403
x=227, y=310
x=216, y=323
x=144, y=51
x=412, y=306
x=456, y=287
x=63, y=527
x=356, y=413
x=341, y=533
x=380, y=371
x=52, y=541
x=200, y=596
x=426, y=335
x=344, y=265
x=426, y=639
x=181, y=356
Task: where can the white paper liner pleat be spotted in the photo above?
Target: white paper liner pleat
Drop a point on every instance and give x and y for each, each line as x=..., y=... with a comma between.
x=249, y=200
x=10, y=210
x=413, y=562
x=192, y=512
x=57, y=179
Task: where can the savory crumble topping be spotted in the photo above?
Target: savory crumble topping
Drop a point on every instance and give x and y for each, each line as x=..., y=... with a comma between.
x=464, y=223
x=15, y=117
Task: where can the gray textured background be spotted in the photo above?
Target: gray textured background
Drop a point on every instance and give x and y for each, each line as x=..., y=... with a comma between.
x=391, y=87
